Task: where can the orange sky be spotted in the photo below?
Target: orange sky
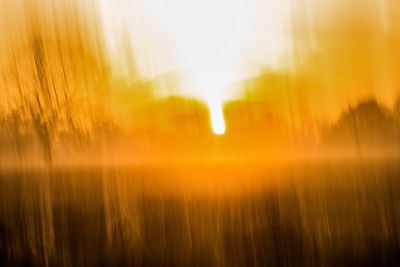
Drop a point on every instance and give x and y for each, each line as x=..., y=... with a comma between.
x=312, y=57
x=324, y=55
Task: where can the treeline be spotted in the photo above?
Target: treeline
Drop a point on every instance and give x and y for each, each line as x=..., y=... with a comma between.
x=366, y=126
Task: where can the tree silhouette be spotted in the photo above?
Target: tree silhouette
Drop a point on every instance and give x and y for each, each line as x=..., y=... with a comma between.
x=366, y=125
x=57, y=68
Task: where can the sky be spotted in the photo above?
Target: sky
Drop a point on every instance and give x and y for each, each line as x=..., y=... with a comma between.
x=312, y=56
x=334, y=52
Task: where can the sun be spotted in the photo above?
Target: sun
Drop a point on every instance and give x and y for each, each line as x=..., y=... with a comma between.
x=217, y=117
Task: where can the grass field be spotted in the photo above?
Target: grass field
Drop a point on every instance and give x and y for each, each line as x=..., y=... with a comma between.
x=295, y=214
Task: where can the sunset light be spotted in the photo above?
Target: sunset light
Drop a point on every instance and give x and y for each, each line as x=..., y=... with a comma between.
x=211, y=43
x=217, y=117
x=199, y=133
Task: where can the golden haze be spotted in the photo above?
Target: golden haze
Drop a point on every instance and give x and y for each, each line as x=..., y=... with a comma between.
x=158, y=76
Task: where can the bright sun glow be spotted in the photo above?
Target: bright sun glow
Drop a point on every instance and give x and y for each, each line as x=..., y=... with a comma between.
x=213, y=42
x=217, y=116
x=209, y=36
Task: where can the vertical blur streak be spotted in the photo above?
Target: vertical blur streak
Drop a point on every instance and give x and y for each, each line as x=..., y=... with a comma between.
x=330, y=54
x=109, y=111
x=327, y=214
x=55, y=70
x=205, y=42
x=278, y=74
x=345, y=52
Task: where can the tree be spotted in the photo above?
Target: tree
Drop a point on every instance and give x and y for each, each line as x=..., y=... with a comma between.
x=59, y=69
